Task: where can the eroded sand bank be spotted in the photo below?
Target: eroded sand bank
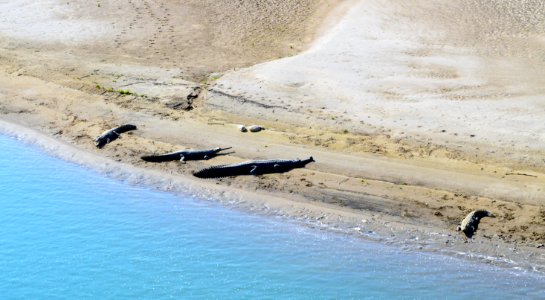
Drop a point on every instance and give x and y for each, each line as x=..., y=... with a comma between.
x=388, y=112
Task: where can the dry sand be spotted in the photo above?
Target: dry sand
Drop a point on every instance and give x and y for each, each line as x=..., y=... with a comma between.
x=197, y=37
x=386, y=101
x=466, y=75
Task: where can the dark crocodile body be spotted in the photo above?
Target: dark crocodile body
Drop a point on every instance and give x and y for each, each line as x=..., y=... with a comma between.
x=185, y=155
x=257, y=167
x=470, y=223
x=112, y=135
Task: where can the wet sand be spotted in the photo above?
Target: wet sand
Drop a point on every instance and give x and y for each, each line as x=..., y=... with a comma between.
x=382, y=178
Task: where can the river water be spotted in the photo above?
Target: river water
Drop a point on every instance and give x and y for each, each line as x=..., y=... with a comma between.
x=69, y=232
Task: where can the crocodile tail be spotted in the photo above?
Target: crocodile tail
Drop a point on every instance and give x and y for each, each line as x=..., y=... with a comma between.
x=151, y=158
x=161, y=158
x=483, y=213
x=212, y=172
x=125, y=128
x=224, y=171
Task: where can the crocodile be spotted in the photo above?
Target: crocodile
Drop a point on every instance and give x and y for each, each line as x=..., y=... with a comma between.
x=471, y=222
x=185, y=155
x=112, y=135
x=256, y=167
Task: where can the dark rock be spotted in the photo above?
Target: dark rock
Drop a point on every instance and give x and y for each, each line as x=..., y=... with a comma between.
x=179, y=104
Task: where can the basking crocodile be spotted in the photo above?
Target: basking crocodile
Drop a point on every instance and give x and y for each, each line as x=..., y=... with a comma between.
x=257, y=167
x=185, y=155
x=112, y=135
x=471, y=222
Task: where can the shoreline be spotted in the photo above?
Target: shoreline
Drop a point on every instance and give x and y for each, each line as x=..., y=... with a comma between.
x=390, y=116
x=370, y=227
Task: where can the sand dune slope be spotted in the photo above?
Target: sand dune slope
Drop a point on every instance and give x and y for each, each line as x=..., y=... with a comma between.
x=447, y=72
x=196, y=36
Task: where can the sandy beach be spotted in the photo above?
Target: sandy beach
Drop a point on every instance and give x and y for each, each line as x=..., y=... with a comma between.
x=413, y=120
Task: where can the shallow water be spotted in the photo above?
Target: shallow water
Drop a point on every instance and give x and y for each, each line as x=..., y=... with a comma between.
x=68, y=232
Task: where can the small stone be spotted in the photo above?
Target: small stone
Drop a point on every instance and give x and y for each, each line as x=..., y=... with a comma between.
x=256, y=128
x=242, y=128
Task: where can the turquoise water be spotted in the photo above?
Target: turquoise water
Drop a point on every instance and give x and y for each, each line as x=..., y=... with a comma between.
x=68, y=232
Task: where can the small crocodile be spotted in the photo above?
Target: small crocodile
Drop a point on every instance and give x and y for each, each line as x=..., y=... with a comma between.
x=471, y=222
x=257, y=167
x=112, y=135
x=185, y=155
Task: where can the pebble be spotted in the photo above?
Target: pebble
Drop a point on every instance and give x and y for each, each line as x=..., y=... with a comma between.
x=256, y=128
x=252, y=128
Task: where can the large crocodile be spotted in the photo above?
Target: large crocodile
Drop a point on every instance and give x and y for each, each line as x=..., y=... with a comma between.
x=185, y=155
x=112, y=135
x=256, y=167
